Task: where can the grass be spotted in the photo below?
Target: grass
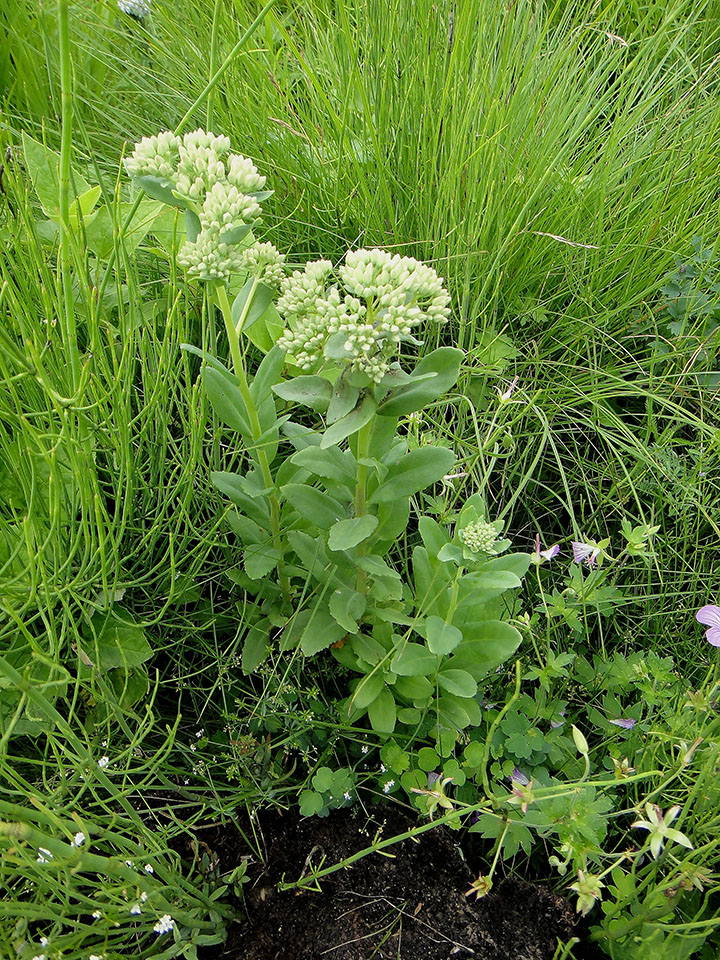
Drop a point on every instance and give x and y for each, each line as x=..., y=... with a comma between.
x=554, y=161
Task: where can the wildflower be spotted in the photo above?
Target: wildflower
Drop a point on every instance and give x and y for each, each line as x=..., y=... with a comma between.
x=96, y=956
x=148, y=868
x=480, y=888
x=540, y=556
x=264, y=261
x=199, y=733
x=379, y=300
x=143, y=896
x=44, y=855
x=78, y=840
x=658, y=829
x=44, y=941
x=382, y=768
x=39, y=956
x=627, y=723
x=135, y=8
x=346, y=795
x=517, y=776
x=388, y=786
x=154, y=156
x=588, y=889
x=103, y=762
x=136, y=910
x=622, y=768
x=96, y=914
x=504, y=397
x=522, y=795
x=480, y=537
x=589, y=552
x=364, y=749
x=709, y=616
x=165, y=924
x=128, y=863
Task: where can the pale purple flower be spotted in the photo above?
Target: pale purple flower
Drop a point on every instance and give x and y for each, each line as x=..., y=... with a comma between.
x=504, y=397
x=627, y=723
x=517, y=776
x=709, y=616
x=588, y=552
x=540, y=556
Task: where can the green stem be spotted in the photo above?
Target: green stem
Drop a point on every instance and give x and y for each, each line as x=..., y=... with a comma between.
x=363, y=450
x=493, y=727
x=233, y=335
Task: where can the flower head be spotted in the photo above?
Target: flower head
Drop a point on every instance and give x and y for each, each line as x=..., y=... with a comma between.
x=154, y=156
x=136, y=910
x=165, y=924
x=657, y=825
x=264, y=261
x=627, y=723
x=78, y=840
x=388, y=786
x=148, y=868
x=44, y=855
x=589, y=552
x=480, y=536
x=588, y=889
x=376, y=302
x=505, y=395
x=103, y=762
x=540, y=556
x=709, y=616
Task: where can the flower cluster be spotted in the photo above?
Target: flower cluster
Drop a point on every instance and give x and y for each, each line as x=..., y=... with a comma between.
x=222, y=189
x=264, y=261
x=379, y=299
x=480, y=537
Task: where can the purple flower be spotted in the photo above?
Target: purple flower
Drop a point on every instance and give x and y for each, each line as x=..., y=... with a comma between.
x=588, y=552
x=541, y=555
x=709, y=616
x=626, y=723
x=517, y=776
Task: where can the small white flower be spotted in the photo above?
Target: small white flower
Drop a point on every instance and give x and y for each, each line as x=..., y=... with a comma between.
x=200, y=732
x=128, y=863
x=347, y=796
x=193, y=748
x=143, y=896
x=103, y=762
x=364, y=750
x=148, y=868
x=44, y=941
x=382, y=768
x=44, y=855
x=78, y=840
x=104, y=743
x=39, y=956
x=96, y=914
x=165, y=924
x=96, y=956
x=388, y=786
x=136, y=910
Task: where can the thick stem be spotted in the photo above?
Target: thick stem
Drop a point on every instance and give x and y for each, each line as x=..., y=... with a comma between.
x=256, y=430
x=363, y=449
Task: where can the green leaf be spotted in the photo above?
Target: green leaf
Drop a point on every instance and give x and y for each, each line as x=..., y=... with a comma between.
x=267, y=330
x=255, y=647
x=311, y=803
x=485, y=647
x=414, y=688
x=366, y=691
x=313, y=505
x=382, y=712
x=445, y=363
x=224, y=395
x=442, y=638
x=346, y=534
x=458, y=682
x=267, y=375
x=238, y=489
x=313, y=392
x=417, y=470
x=102, y=233
x=245, y=529
x=354, y=421
x=452, y=713
x=433, y=535
x=259, y=559
x=321, y=631
x=114, y=639
x=343, y=400
x=43, y=165
x=331, y=464
x=347, y=606
x=313, y=555
x=82, y=207
x=427, y=759
x=262, y=298
x=159, y=188
x=414, y=660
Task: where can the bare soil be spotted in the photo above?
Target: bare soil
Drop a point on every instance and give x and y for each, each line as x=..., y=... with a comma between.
x=407, y=906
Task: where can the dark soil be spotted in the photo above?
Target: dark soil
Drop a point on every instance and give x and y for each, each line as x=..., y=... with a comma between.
x=408, y=906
